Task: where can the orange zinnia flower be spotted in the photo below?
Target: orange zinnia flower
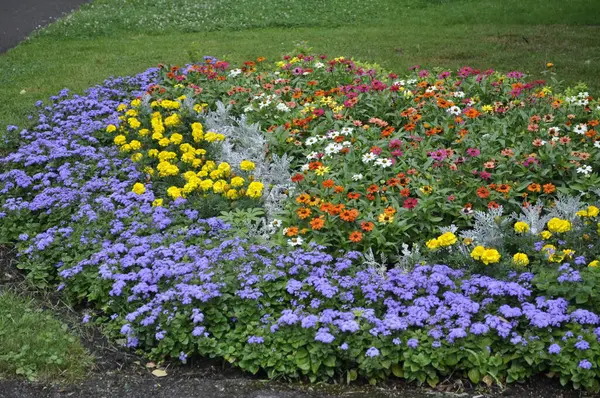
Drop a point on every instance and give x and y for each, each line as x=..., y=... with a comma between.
x=292, y=231
x=356, y=236
x=338, y=189
x=317, y=223
x=328, y=183
x=483, y=192
x=353, y=195
x=493, y=205
x=549, y=188
x=367, y=226
x=503, y=188
x=534, y=187
x=405, y=192
x=349, y=215
x=303, y=198
x=389, y=211
x=303, y=212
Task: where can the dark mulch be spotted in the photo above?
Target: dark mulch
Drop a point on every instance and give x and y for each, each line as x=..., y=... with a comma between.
x=119, y=373
x=18, y=18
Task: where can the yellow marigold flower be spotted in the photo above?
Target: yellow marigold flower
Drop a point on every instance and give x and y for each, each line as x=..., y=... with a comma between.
x=139, y=188
x=143, y=132
x=166, y=155
x=521, y=259
x=188, y=175
x=149, y=170
x=477, y=252
x=126, y=148
x=568, y=252
x=176, y=138
x=212, y=137
x=198, y=108
x=219, y=186
x=237, y=182
x=546, y=235
x=521, y=226
x=157, y=202
x=174, y=192
x=184, y=148
x=197, y=132
x=432, y=244
x=200, y=151
x=225, y=168
x=209, y=166
x=196, y=163
x=206, y=184
x=166, y=169
x=247, y=165
x=232, y=194
x=121, y=107
x=157, y=126
x=490, y=256
x=111, y=128
x=153, y=153
x=120, y=140
x=173, y=120
x=188, y=157
x=189, y=187
x=154, y=104
x=558, y=225
x=446, y=239
x=164, y=142
x=133, y=123
x=255, y=190
x=202, y=173
x=549, y=248
x=216, y=174
x=135, y=145
x=168, y=104
x=131, y=112
x=594, y=263
x=136, y=103
x=136, y=157
x=591, y=211
x=467, y=241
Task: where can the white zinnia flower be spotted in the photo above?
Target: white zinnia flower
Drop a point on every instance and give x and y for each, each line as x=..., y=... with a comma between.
x=282, y=107
x=454, y=110
x=248, y=108
x=297, y=241
x=581, y=128
x=276, y=223
x=319, y=65
x=347, y=130
x=304, y=167
x=235, y=72
x=357, y=177
x=368, y=157
x=384, y=162
x=310, y=140
x=597, y=144
x=313, y=155
x=459, y=94
x=584, y=170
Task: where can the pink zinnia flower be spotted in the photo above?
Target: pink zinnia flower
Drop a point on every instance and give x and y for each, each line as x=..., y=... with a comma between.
x=410, y=203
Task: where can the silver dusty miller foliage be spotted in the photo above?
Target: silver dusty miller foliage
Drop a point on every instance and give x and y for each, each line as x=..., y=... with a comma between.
x=246, y=141
x=487, y=227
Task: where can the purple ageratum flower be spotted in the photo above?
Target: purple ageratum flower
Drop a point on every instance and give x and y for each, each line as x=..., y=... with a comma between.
x=86, y=318
x=585, y=364
x=344, y=347
x=554, y=349
x=580, y=260
x=324, y=336
x=372, y=352
x=582, y=345
x=183, y=357
x=412, y=343
x=255, y=340
x=396, y=341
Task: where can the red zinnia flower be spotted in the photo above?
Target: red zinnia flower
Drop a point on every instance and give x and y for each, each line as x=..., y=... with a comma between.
x=410, y=203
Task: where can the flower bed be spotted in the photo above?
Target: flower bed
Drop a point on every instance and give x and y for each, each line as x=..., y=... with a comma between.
x=294, y=218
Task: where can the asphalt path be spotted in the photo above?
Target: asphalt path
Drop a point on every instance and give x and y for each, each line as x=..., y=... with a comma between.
x=18, y=18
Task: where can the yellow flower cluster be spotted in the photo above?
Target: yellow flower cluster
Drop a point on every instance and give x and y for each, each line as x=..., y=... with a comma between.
x=558, y=225
x=486, y=255
x=176, y=151
x=444, y=240
x=591, y=211
x=521, y=227
x=521, y=259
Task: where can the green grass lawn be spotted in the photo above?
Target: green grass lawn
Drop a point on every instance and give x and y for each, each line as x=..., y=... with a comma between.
x=117, y=37
x=36, y=346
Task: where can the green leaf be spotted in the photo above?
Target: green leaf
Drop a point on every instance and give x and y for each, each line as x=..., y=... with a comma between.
x=351, y=375
x=397, y=370
x=474, y=376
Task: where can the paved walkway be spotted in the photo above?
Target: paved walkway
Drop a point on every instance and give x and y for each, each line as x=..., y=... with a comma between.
x=18, y=18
